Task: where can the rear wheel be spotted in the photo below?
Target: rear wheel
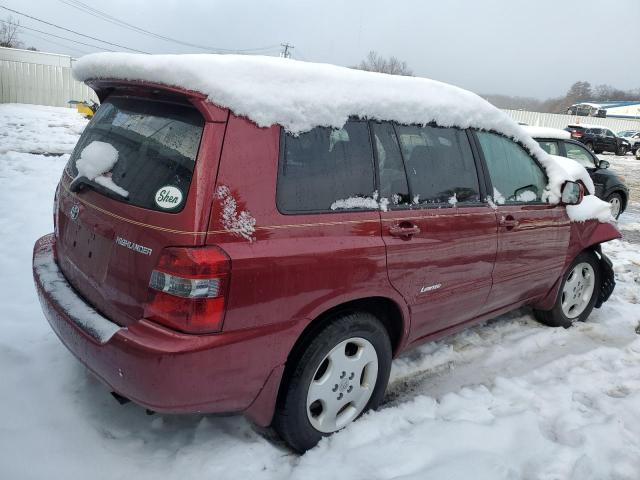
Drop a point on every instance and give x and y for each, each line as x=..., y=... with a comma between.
x=615, y=199
x=342, y=373
x=589, y=145
x=578, y=293
x=638, y=154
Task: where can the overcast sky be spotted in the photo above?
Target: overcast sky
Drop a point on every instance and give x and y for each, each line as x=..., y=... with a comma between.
x=532, y=48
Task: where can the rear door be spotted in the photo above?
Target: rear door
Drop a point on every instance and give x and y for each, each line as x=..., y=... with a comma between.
x=532, y=236
x=440, y=235
x=139, y=179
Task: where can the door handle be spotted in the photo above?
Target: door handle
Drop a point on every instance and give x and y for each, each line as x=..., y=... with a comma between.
x=404, y=230
x=508, y=222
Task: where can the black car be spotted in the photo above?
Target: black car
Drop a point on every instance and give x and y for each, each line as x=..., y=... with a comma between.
x=609, y=186
x=599, y=139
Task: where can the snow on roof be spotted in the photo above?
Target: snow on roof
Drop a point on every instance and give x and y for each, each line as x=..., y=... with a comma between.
x=547, y=132
x=302, y=95
x=587, y=125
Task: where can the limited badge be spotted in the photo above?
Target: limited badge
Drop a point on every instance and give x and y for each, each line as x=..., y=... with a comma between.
x=168, y=197
x=75, y=210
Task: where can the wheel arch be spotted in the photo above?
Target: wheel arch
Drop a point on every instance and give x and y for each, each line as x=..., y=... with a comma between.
x=623, y=194
x=387, y=310
x=393, y=317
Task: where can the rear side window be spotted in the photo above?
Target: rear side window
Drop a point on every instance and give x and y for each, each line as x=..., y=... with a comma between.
x=579, y=154
x=156, y=144
x=439, y=164
x=550, y=147
x=515, y=176
x=327, y=170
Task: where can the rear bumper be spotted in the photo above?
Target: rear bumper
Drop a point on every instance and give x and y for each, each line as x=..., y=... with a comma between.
x=158, y=368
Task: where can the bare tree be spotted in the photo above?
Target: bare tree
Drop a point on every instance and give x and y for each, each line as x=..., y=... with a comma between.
x=376, y=63
x=9, y=29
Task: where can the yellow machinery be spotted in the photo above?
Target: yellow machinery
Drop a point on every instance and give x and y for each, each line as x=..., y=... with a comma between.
x=85, y=108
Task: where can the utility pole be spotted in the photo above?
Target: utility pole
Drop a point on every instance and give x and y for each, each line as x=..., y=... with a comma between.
x=285, y=52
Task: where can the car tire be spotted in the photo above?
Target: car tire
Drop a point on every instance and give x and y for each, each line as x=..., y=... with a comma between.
x=589, y=146
x=577, y=295
x=616, y=201
x=622, y=151
x=345, y=390
x=638, y=154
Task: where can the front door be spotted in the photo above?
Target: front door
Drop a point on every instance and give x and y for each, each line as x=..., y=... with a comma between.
x=439, y=234
x=532, y=235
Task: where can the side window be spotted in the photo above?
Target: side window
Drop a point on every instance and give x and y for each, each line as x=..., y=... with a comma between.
x=393, y=179
x=515, y=176
x=550, y=147
x=439, y=165
x=320, y=167
x=579, y=154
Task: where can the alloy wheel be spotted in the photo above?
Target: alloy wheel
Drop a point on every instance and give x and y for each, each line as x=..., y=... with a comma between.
x=578, y=290
x=342, y=385
x=615, y=206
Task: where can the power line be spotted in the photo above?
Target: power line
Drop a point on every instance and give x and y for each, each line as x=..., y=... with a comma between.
x=69, y=30
x=22, y=27
x=77, y=4
x=83, y=52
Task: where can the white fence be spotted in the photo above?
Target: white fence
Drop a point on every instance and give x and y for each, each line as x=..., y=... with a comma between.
x=40, y=78
x=561, y=121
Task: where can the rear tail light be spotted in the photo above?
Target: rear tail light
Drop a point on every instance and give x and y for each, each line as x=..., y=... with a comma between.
x=188, y=288
x=576, y=134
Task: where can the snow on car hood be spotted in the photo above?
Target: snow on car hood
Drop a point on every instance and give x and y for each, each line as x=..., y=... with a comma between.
x=302, y=95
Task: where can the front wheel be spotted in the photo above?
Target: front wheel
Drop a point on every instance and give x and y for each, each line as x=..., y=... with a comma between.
x=615, y=199
x=577, y=295
x=622, y=151
x=342, y=372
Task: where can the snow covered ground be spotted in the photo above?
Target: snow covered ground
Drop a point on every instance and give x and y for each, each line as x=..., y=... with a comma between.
x=507, y=400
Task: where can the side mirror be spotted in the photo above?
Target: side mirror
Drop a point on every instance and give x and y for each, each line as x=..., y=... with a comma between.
x=603, y=164
x=572, y=193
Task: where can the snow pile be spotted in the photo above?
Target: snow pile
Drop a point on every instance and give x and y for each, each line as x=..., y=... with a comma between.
x=566, y=169
x=371, y=202
x=242, y=223
x=355, y=202
x=547, y=132
x=54, y=283
x=302, y=95
x=95, y=162
x=590, y=207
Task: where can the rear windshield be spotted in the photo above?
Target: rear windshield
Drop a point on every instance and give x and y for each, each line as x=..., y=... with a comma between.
x=154, y=145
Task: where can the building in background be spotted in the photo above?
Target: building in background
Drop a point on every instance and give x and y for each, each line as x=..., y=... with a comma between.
x=614, y=109
x=40, y=78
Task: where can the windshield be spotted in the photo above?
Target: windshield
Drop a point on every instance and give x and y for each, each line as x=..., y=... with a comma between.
x=140, y=152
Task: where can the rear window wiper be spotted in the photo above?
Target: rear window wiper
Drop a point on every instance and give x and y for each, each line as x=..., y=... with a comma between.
x=80, y=183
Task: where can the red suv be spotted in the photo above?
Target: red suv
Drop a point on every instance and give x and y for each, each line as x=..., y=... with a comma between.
x=201, y=263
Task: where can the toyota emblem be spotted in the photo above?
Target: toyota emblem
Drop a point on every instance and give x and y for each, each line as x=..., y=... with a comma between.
x=75, y=210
